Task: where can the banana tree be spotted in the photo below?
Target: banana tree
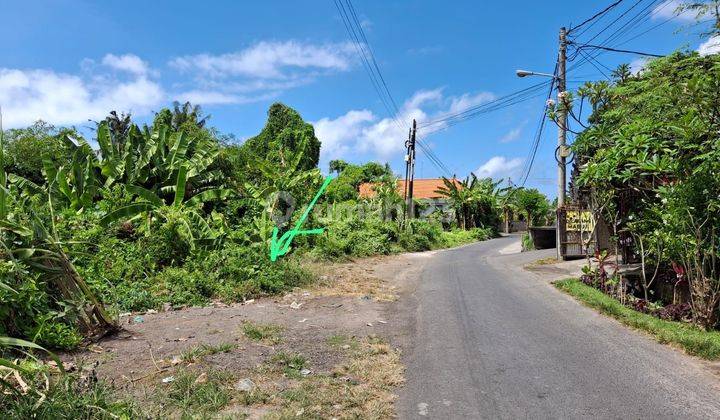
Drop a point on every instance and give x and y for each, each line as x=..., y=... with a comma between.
x=27, y=238
x=76, y=183
x=154, y=207
x=152, y=159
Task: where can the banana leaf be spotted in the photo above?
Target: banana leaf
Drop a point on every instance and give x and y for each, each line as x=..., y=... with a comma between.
x=126, y=212
x=145, y=194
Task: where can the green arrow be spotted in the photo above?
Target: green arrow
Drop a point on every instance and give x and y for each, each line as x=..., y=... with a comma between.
x=279, y=247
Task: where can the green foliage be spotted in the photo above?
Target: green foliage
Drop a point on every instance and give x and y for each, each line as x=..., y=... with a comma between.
x=356, y=236
x=704, y=344
x=282, y=136
x=345, y=186
x=527, y=242
x=474, y=200
x=457, y=237
x=421, y=235
x=533, y=204
x=66, y=398
x=652, y=145
x=25, y=149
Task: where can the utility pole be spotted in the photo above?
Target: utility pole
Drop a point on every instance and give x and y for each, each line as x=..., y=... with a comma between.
x=410, y=205
x=562, y=133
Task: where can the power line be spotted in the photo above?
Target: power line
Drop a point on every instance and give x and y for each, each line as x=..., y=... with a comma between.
x=493, y=105
x=592, y=18
x=600, y=47
x=355, y=36
x=372, y=55
x=527, y=167
x=644, y=13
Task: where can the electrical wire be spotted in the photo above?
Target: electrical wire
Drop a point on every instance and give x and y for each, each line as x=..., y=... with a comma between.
x=357, y=35
x=592, y=18
x=496, y=104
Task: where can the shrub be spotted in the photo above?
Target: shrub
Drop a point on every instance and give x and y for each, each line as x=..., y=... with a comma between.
x=67, y=398
x=527, y=243
x=241, y=272
x=182, y=287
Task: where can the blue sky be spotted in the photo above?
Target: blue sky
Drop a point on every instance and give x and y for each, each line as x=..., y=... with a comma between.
x=70, y=61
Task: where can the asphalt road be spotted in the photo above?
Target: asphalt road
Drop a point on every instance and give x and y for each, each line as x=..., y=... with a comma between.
x=488, y=339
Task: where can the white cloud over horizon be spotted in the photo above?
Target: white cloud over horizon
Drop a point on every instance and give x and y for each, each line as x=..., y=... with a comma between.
x=361, y=131
x=128, y=83
x=64, y=99
x=498, y=167
x=130, y=63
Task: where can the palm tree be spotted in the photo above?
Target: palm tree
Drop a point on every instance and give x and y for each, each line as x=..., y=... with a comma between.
x=456, y=194
x=508, y=205
x=185, y=113
x=622, y=73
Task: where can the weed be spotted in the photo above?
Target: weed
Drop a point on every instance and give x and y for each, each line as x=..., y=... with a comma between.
x=291, y=364
x=67, y=398
x=193, y=394
x=268, y=333
x=196, y=353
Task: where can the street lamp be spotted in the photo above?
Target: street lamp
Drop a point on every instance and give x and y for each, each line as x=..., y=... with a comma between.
x=525, y=73
x=559, y=77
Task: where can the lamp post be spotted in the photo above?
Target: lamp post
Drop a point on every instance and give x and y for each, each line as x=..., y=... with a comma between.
x=562, y=130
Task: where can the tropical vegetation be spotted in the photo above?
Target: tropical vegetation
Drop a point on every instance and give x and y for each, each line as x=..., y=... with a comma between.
x=648, y=162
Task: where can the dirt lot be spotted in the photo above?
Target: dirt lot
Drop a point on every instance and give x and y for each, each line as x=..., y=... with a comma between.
x=330, y=350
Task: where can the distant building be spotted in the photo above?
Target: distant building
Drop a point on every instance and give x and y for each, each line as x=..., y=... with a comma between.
x=423, y=189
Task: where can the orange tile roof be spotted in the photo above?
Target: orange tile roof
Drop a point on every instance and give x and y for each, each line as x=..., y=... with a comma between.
x=422, y=188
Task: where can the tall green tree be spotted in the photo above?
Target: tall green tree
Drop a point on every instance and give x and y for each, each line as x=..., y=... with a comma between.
x=283, y=134
x=533, y=203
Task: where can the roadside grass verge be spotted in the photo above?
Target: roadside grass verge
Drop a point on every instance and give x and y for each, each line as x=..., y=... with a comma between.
x=704, y=344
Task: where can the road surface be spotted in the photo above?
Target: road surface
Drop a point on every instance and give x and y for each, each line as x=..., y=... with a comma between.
x=490, y=340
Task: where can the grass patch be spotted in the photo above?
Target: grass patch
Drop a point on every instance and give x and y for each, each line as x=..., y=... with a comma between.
x=291, y=364
x=267, y=333
x=196, y=394
x=196, y=353
x=360, y=387
x=545, y=261
x=68, y=397
x=704, y=344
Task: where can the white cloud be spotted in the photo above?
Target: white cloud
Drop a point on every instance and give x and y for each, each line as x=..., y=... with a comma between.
x=711, y=46
x=269, y=60
x=638, y=65
x=668, y=9
x=129, y=62
x=360, y=131
x=211, y=97
x=337, y=135
x=59, y=98
x=511, y=135
x=499, y=167
x=467, y=100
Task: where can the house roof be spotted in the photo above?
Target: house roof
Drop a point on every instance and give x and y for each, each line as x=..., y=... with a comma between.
x=422, y=188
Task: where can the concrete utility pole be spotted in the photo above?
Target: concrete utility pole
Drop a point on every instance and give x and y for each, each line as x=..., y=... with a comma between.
x=562, y=132
x=410, y=204
x=407, y=172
